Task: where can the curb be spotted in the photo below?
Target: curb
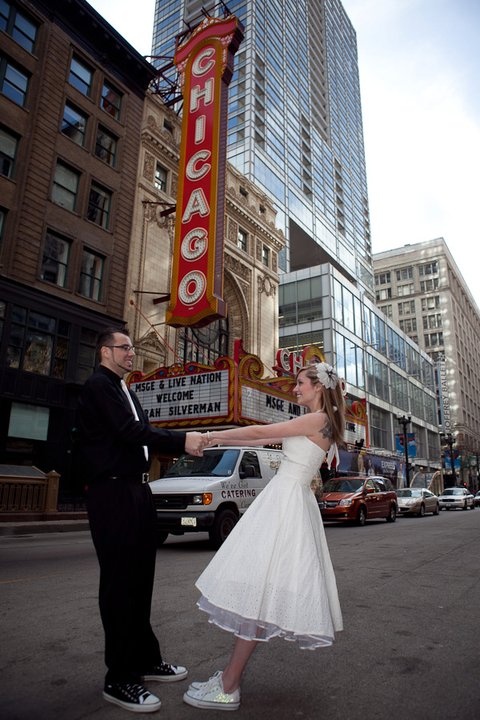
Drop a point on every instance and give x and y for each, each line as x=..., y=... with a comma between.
x=48, y=526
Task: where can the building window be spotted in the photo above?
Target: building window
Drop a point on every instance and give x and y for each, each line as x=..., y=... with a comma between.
x=37, y=343
x=430, y=268
x=80, y=76
x=384, y=294
x=13, y=82
x=380, y=428
x=65, y=186
x=428, y=285
x=91, y=275
x=56, y=251
x=8, y=152
x=18, y=25
x=382, y=278
x=403, y=290
x=266, y=255
x=406, y=308
x=3, y=219
x=386, y=309
x=85, y=360
x=111, y=100
x=161, y=175
x=204, y=345
x=430, y=322
x=405, y=273
x=242, y=239
x=106, y=146
x=74, y=124
x=409, y=325
x=99, y=206
x=433, y=339
x=431, y=303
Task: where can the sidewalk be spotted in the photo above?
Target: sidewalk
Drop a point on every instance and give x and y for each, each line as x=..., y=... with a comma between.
x=30, y=524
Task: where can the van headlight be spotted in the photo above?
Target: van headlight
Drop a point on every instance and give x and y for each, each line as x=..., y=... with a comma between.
x=203, y=499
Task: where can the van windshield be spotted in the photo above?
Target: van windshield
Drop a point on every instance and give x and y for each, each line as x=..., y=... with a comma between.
x=214, y=463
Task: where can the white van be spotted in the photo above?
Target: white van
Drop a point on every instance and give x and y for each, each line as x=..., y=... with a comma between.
x=211, y=492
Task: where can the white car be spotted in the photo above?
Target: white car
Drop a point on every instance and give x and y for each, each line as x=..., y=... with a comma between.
x=456, y=497
x=417, y=501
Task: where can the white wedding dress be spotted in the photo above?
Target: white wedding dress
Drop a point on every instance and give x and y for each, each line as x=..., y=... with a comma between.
x=273, y=576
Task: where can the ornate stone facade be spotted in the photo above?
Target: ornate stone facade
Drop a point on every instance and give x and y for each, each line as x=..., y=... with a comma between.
x=250, y=265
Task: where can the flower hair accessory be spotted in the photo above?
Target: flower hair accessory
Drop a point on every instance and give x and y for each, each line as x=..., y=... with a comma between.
x=326, y=375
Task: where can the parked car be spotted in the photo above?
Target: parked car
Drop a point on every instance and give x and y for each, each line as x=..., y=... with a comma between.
x=417, y=501
x=210, y=493
x=456, y=497
x=358, y=499
x=476, y=499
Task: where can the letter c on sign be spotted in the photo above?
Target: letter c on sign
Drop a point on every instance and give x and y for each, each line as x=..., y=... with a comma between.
x=202, y=64
x=194, y=173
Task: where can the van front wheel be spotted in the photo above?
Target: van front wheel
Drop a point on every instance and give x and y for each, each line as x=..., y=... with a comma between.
x=224, y=523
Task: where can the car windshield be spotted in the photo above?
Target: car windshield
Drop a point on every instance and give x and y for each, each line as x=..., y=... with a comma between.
x=343, y=485
x=213, y=463
x=453, y=491
x=409, y=492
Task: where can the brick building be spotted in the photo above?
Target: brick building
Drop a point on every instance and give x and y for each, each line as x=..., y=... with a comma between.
x=71, y=106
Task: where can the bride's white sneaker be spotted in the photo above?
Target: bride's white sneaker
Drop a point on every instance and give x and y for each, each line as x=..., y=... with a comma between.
x=211, y=695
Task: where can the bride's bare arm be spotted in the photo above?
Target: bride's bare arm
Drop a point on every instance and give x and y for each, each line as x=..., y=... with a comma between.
x=246, y=443
x=308, y=424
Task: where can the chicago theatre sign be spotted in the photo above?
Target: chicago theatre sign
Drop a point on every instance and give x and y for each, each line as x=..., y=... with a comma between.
x=205, y=65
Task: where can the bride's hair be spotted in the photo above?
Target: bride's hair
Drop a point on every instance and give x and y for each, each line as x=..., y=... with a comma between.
x=333, y=401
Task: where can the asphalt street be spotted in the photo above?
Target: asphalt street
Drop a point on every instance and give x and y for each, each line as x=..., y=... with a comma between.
x=410, y=592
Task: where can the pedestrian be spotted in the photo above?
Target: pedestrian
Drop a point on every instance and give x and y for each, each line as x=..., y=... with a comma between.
x=113, y=446
x=289, y=590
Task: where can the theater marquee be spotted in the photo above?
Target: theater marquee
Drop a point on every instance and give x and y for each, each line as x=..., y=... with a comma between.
x=233, y=391
x=205, y=65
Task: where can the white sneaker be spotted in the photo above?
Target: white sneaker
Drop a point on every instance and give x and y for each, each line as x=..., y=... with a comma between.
x=197, y=685
x=211, y=695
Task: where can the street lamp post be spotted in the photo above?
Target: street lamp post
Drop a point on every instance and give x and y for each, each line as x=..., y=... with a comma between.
x=404, y=421
x=449, y=440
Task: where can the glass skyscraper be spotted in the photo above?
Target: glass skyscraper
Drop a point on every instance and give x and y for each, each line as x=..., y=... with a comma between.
x=295, y=122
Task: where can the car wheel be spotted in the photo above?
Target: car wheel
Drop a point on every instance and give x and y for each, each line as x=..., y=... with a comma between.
x=223, y=525
x=436, y=511
x=161, y=537
x=421, y=512
x=361, y=516
x=392, y=515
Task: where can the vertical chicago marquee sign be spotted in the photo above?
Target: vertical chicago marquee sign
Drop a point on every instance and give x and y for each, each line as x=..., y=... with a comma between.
x=205, y=64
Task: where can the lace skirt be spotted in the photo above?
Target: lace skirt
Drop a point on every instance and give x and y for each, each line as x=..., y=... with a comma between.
x=249, y=629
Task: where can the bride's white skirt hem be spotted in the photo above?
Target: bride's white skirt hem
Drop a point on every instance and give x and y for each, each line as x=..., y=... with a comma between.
x=259, y=630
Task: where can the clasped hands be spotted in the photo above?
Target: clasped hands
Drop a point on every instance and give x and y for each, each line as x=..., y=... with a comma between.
x=195, y=442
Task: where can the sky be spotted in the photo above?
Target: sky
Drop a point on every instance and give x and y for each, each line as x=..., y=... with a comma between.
x=419, y=66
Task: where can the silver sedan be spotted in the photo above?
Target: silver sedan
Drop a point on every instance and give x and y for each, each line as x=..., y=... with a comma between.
x=417, y=501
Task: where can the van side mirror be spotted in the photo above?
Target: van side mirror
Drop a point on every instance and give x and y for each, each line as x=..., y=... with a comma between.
x=247, y=471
